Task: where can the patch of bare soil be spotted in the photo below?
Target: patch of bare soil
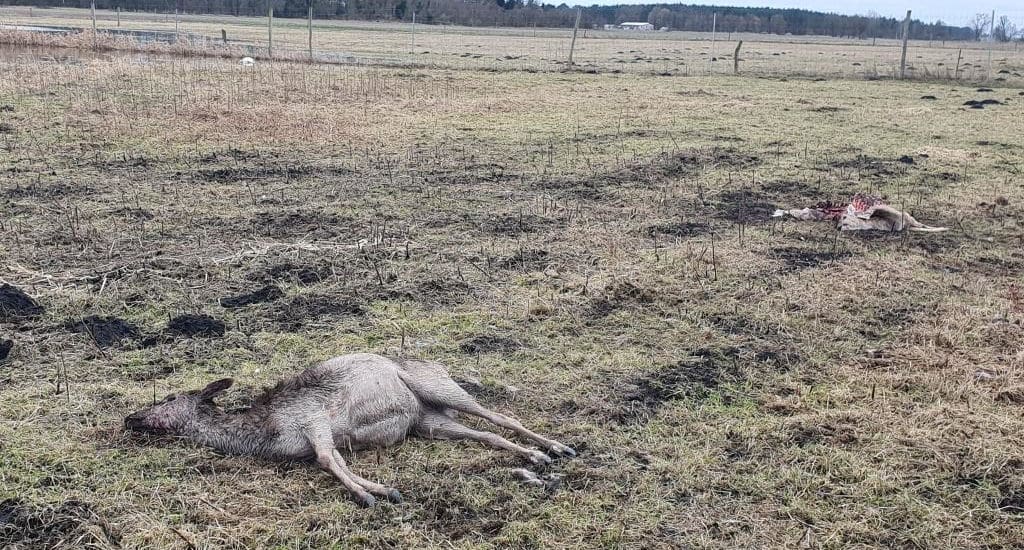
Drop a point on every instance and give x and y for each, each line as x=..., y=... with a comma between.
x=744, y=206
x=526, y=259
x=511, y=225
x=866, y=166
x=16, y=306
x=300, y=223
x=302, y=310
x=619, y=296
x=39, y=190
x=692, y=378
x=678, y=229
x=229, y=174
x=268, y=293
x=457, y=518
x=486, y=343
x=795, y=258
x=73, y=523
x=191, y=324
x=106, y=331
x=296, y=273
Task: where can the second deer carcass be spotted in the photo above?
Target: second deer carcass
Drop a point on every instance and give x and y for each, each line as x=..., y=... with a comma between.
x=357, y=401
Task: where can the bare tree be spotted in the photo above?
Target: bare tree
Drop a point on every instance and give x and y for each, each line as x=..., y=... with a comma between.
x=979, y=23
x=1005, y=30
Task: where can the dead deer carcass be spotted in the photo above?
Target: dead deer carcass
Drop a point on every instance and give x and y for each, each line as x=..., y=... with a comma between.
x=352, y=402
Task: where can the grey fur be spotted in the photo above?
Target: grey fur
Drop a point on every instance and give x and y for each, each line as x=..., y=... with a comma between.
x=354, y=402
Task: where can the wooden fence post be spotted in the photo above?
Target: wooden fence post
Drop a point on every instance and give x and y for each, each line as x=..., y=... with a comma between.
x=224, y=36
x=906, y=36
x=92, y=8
x=413, y=47
x=119, y=16
x=736, y=58
x=311, y=31
x=956, y=72
x=576, y=27
x=270, y=32
x=711, y=54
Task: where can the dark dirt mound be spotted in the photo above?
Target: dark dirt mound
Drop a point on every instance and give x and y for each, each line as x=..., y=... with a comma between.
x=5, y=348
x=485, y=343
x=868, y=166
x=679, y=229
x=300, y=223
x=686, y=162
x=15, y=305
x=441, y=291
x=28, y=526
x=618, y=296
x=295, y=273
x=516, y=224
x=906, y=159
x=980, y=104
x=928, y=97
x=694, y=378
x=105, y=331
x=230, y=174
x=268, y=293
x=797, y=258
x=190, y=324
x=744, y=206
x=308, y=308
x=828, y=109
x=984, y=89
x=38, y=190
x=534, y=259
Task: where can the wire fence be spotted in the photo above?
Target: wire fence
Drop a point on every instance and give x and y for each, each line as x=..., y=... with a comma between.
x=537, y=49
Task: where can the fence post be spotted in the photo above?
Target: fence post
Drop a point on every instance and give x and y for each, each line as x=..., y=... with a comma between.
x=711, y=55
x=311, y=31
x=576, y=27
x=736, y=58
x=175, y=24
x=413, y=47
x=224, y=36
x=906, y=36
x=270, y=32
x=119, y=16
x=956, y=72
x=991, y=43
x=92, y=8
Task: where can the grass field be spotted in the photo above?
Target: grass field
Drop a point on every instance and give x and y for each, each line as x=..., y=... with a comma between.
x=591, y=253
x=510, y=49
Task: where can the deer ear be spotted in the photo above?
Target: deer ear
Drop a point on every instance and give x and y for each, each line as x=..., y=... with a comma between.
x=213, y=388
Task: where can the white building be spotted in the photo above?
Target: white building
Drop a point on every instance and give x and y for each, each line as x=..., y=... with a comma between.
x=636, y=26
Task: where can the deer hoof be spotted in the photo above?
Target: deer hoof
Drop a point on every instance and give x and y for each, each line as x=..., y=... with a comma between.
x=538, y=457
x=562, y=450
x=394, y=496
x=365, y=500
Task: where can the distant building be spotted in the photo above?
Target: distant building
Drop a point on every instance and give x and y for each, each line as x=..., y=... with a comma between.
x=636, y=26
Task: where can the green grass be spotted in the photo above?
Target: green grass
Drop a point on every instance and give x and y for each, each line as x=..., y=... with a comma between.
x=725, y=400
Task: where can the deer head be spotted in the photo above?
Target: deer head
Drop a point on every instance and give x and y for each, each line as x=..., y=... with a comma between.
x=174, y=412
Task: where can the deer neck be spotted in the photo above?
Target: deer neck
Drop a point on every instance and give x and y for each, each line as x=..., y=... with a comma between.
x=230, y=433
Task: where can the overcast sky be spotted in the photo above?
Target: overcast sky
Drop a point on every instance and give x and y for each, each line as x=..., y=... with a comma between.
x=957, y=12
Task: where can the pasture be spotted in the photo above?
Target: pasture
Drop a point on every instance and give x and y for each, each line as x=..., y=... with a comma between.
x=591, y=253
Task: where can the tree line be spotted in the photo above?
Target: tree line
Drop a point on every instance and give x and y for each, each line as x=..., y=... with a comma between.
x=530, y=13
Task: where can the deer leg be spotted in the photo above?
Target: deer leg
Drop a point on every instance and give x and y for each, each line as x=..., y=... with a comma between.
x=329, y=459
x=465, y=403
x=435, y=425
x=375, y=488
x=432, y=384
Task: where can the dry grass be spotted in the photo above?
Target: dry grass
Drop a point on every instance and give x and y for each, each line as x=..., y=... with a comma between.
x=730, y=382
x=672, y=53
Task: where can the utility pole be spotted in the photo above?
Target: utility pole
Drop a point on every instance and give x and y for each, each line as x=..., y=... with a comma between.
x=311, y=30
